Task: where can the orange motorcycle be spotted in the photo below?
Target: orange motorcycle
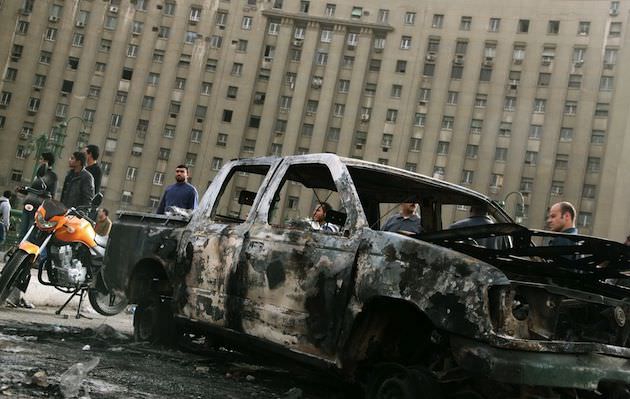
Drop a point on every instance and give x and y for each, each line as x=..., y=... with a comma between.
x=73, y=257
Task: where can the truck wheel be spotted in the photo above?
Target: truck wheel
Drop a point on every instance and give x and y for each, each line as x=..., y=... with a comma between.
x=393, y=381
x=106, y=304
x=19, y=262
x=153, y=322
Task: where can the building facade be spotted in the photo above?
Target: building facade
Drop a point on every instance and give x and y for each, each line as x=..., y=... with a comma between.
x=501, y=96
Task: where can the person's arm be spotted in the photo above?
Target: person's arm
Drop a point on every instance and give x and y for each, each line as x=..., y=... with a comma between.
x=6, y=215
x=52, y=186
x=98, y=174
x=108, y=227
x=87, y=189
x=195, y=200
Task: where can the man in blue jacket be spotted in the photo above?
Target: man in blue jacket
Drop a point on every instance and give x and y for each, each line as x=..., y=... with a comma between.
x=561, y=219
x=181, y=194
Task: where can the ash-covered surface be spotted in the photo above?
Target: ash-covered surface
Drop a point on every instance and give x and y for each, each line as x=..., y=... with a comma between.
x=34, y=356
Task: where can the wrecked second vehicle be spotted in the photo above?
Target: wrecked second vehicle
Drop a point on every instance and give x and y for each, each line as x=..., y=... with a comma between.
x=428, y=315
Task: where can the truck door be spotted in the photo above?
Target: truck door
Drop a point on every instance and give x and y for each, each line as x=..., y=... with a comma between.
x=215, y=240
x=299, y=279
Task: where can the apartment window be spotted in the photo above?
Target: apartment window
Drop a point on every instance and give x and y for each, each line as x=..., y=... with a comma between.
x=566, y=134
x=169, y=8
x=307, y=130
x=10, y=74
x=249, y=145
x=169, y=132
x=22, y=27
x=539, y=105
x=51, y=34
x=246, y=23
x=121, y=97
x=494, y=24
x=544, y=79
x=295, y=54
x=557, y=188
x=615, y=29
x=142, y=127
x=437, y=22
x=562, y=161
x=33, y=104
x=274, y=28
x=457, y=71
x=347, y=61
x=415, y=144
x=475, y=126
x=191, y=159
x=206, y=88
x=578, y=55
x=570, y=107
x=496, y=181
x=343, y=86
x=165, y=153
x=158, y=56
x=216, y=41
x=241, y=46
x=190, y=37
x=77, y=39
x=88, y=115
x=584, y=219
x=131, y=173
x=370, y=89
x=200, y=112
x=531, y=157
x=164, y=32
x=62, y=110
x=548, y=55
x=278, y=4
x=410, y=18
x=523, y=26
x=217, y=163
x=153, y=78
x=222, y=139
x=116, y=120
x=448, y=122
x=386, y=140
x=601, y=110
x=111, y=22
x=598, y=137
x=500, y=154
x=100, y=67
x=21, y=152
x=451, y=98
x=396, y=91
x=276, y=149
x=379, y=43
x=281, y=126
x=16, y=175
x=333, y=134
x=158, y=178
x=527, y=185
x=339, y=110
x=485, y=74
x=326, y=36
x=311, y=106
x=505, y=129
x=593, y=165
x=589, y=191
x=137, y=27
x=472, y=151
x=321, y=58
x=141, y=5
x=174, y=108
x=481, y=100
x=575, y=81
x=136, y=150
x=467, y=176
x=606, y=83
x=553, y=27
x=405, y=42
x=429, y=69
x=105, y=45
x=518, y=54
x=509, y=104
x=232, y=91
x=237, y=69
x=148, y=102
x=419, y=119
x=383, y=16
x=195, y=14
x=330, y=10
x=535, y=132
x=304, y=6
x=375, y=65
x=442, y=147
x=610, y=57
x=584, y=28
x=391, y=115
x=465, y=23
x=40, y=81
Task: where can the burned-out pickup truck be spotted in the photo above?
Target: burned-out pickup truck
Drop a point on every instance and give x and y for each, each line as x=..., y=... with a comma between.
x=474, y=312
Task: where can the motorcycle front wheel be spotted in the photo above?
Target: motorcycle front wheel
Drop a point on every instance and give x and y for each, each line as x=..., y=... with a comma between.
x=19, y=263
x=108, y=304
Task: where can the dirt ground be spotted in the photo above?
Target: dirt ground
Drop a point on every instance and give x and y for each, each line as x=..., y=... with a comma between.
x=38, y=347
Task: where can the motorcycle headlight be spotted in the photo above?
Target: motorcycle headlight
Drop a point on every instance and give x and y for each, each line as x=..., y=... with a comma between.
x=44, y=224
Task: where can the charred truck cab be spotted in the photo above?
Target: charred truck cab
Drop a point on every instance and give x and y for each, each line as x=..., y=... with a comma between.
x=441, y=313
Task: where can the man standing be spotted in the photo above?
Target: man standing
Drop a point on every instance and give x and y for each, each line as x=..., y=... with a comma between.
x=478, y=217
x=5, y=215
x=561, y=219
x=318, y=221
x=406, y=222
x=103, y=222
x=181, y=194
x=78, y=186
x=46, y=182
x=92, y=152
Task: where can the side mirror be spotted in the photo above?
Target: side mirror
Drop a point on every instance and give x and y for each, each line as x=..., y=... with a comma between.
x=97, y=199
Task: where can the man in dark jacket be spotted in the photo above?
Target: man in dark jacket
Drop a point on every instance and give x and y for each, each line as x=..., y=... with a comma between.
x=45, y=182
x=92, y=152
x=181, y=194
x=78, y=186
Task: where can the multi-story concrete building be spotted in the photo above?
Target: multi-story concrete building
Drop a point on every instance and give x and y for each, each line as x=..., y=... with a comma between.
x=500, y=95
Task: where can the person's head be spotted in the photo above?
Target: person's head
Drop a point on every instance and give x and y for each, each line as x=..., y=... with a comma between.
x=92, y=152
x=7, y=194
x=48, y=158
x=561, y=216
x=478, y=210
x=77, y=160
x=102, y=213
x=627, y=242
x=319, y=213
x=408, y=208
x=181, y=173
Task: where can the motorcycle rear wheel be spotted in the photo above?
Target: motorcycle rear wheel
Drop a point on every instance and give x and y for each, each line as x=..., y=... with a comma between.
x=11, y=271
x=106, y=304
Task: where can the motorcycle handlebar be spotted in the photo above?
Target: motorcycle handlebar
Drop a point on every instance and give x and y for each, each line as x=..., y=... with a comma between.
x=40, y=193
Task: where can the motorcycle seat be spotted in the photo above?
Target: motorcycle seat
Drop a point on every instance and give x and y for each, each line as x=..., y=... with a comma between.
x=101, y=241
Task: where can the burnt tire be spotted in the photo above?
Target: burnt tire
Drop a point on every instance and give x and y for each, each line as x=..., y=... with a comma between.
x=398, y=382
x=153, y=322
x=19, y=263
x=108, y=304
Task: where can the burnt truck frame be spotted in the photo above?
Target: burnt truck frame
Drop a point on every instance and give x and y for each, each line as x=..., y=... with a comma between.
x=406, y=316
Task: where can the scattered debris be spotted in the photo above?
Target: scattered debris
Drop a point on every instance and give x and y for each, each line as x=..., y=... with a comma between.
x=86, y=348
x=293, y=393
x=39, y=378
x=107, y=332
x=250, y=378
x=71, y=381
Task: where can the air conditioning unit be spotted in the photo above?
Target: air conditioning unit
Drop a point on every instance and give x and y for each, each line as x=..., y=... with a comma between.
x=266, y=64
x=518, y=61
x=459, y=60
x=431, y=56
x=316, y=83
x=613, y=12
x=578, y=63
x=365, y=117
x=352, y=46
x=53, y=18
x=297, y=43
x=608, y=66
x=80, y=24
x=514, y=84
x=378, y=50
x=113, y=9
